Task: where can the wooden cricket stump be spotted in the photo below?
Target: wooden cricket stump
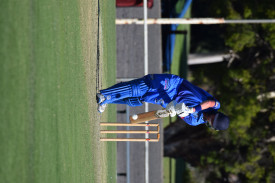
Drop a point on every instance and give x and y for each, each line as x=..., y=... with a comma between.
x=130, y=132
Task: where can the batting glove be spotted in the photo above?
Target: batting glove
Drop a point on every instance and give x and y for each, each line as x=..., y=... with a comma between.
x=171, y=108
x=182, y=108
x=184, y=114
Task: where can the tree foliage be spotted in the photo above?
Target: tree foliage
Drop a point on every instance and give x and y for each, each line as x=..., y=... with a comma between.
x=247, y=151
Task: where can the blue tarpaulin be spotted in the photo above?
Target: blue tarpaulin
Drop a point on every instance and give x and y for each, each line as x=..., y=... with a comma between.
x=169, y=50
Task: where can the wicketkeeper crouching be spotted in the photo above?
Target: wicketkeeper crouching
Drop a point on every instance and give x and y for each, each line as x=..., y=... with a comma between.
x=191, y=103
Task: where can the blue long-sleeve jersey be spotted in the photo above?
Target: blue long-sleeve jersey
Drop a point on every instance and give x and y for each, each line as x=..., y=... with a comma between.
x=163, y=88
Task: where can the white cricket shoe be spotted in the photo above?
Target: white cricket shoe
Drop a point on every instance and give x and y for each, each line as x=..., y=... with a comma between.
x=101, y=108
x=100, y=98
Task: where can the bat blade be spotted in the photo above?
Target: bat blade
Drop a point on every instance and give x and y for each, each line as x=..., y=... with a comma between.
x=148, y=116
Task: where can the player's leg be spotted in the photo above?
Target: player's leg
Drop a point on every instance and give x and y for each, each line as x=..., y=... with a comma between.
x=134, y=88
x=132, y=102
x=119, y=92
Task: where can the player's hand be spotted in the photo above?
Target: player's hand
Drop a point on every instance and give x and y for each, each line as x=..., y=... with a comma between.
x=184, y=114
x=181, y=108
x=171, y=108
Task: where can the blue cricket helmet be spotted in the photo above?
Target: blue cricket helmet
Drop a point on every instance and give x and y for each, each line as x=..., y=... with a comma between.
x=221, y=121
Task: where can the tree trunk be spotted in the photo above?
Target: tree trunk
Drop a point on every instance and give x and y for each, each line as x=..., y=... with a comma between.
x=188, y=142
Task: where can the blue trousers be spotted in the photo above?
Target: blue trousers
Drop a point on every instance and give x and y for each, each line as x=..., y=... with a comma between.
x=126, y=93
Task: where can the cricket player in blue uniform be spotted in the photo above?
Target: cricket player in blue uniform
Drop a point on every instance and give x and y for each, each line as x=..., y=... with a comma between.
x=191, y=103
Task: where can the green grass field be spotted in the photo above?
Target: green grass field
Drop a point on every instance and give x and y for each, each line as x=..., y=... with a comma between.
x=55, y=55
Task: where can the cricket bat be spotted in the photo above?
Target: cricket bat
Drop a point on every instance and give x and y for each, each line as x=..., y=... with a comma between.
x=148, y=116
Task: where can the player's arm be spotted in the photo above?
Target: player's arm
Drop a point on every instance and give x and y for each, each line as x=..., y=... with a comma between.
x=205, y=105
x=182, y=110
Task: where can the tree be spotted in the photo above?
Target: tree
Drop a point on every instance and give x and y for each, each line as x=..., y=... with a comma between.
x=246, y=151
